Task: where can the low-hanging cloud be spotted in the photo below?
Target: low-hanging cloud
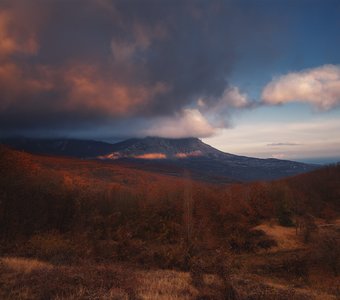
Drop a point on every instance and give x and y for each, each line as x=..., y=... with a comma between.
x=189, y=122
x=319, y=87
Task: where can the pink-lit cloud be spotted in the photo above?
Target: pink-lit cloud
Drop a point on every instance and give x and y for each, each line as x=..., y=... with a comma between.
x=91, y=90
x=319, y=87
x=16, y=36
x=113, y=66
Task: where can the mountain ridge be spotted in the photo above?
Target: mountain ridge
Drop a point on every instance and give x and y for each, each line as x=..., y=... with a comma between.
x=160, y=154
x=170, y=148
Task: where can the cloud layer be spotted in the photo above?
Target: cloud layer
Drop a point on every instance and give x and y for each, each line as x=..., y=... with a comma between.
x=85, y=64
x=125, y=67
x=319, y=87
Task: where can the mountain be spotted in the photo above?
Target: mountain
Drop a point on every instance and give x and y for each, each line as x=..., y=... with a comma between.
x=170, y=156
x=204, y=161
x=131, y=148
x=60, y=147
x=163, y=148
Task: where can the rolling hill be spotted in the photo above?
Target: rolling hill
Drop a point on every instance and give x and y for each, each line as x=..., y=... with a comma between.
x=76, y=220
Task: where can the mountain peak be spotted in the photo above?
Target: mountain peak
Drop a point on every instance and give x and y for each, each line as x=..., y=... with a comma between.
x=158, y=147
x=167, y=153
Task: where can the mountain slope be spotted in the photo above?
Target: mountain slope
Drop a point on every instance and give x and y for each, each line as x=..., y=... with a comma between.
x=120, y=216
x=169, y=148
x=204, y=161
x=60, y=147
x=170, y=156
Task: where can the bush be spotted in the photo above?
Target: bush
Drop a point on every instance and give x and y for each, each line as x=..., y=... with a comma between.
x=289, y=266
x=327, y=251
x=214, y=263
x=284, y=218
x=243, y=239
x=52, y=247
x=68, y=282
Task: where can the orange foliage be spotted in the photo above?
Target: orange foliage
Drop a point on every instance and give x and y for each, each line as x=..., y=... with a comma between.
x=118, y=212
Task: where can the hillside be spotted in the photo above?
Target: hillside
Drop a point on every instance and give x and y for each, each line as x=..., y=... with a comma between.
x=59, y=147
x=169, y=156
x=52, y=208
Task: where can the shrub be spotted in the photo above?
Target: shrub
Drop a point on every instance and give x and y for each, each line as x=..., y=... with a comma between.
x=67, y=282
x=284, y=217
x=326, y=251
x=215, y=263
x=50, y=246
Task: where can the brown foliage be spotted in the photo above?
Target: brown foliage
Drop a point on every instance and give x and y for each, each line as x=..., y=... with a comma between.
x=85, y=282
x=67, y=210
x=326, y=251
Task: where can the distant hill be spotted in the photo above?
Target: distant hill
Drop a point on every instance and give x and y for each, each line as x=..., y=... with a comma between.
x=170, y=156
x=59, y=147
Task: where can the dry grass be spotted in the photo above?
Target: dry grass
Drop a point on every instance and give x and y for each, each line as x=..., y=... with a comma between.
x=165, y=285
x=25, y=280
x=299, y=292
x=285, y=237
x=32, y=279
x=24, y=265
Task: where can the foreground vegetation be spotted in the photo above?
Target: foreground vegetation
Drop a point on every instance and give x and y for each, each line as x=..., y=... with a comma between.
x=72, y=229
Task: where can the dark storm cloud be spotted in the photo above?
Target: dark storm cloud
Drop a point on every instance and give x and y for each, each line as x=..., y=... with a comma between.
x=77, y=65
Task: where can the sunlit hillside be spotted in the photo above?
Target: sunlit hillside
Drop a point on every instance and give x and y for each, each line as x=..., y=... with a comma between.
x=151, y=236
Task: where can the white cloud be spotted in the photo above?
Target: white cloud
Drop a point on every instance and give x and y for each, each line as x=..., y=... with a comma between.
x=189, y=122
x=232, y=97
x=319, y=87
x=218, y=110
x=204, y=119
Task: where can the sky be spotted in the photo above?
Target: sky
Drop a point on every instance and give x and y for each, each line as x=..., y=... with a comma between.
x=257, y=78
